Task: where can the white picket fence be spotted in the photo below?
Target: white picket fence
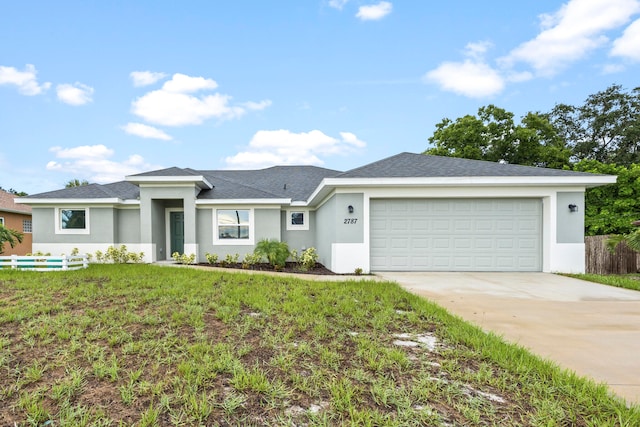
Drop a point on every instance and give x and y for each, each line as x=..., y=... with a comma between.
x=44, y=263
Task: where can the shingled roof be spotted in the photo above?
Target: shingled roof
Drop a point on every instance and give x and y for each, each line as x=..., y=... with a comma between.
x=298, y=183
x=411, y=165
x=8, y=204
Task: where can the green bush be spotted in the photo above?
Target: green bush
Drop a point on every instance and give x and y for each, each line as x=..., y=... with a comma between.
x=183, y=258
x=119, y=255
x=308, y=259
x=274, y=251
x=211, y=258
x=250, y=260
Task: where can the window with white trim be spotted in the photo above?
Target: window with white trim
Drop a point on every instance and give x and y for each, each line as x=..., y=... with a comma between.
x=297, y=220
x=233, y=226
x=27, y=226
x=72, y=221
x=2, y=221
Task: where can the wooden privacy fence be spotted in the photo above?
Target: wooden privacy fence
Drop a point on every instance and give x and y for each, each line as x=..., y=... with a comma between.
x=44, y=263
x=600, y=261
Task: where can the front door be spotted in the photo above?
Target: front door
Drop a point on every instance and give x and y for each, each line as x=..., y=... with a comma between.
x=176, y=229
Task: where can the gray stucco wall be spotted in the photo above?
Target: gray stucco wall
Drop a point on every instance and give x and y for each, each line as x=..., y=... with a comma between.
x=570, y=225
x=325, y=230
x=298, y=239
x=334, y=223
x=266, y=226
x=127, y=226
x=349, y=226
x=101, y=227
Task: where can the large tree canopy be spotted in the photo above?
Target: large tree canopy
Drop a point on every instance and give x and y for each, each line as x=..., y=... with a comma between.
x=612, y=208
x=493, y=135
x=605, y=128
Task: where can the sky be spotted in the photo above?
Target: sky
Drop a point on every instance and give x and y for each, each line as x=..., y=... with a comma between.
x=97, y=90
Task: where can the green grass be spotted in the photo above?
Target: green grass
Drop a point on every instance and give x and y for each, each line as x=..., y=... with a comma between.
x=627, y=281
x=145, y=345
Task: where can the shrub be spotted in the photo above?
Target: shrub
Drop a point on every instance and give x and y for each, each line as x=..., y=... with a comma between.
x=183, y=258
x=211, y=258
x=274, y=251
x=357, y=271
x=230, y=260
x=250, y=260
x=308, y=259
x=117, y=256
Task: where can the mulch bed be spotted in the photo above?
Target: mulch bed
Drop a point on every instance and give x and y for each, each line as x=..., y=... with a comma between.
x=290, y=267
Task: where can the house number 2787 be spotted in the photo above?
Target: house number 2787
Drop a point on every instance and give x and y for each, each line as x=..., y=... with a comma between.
x=350, y=220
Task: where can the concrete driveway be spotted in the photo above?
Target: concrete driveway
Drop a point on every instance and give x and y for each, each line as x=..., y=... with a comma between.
x=589, y=328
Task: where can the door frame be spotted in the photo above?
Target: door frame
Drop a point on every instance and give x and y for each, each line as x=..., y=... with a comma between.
x=167, y=233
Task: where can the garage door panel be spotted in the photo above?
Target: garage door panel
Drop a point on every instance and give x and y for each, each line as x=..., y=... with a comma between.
x=456, y=234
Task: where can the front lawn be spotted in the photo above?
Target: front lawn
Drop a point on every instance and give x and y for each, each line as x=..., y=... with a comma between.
x=148, y=345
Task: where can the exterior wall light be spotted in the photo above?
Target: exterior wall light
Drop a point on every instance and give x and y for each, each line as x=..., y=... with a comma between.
x=350, y=208
x=573, y=208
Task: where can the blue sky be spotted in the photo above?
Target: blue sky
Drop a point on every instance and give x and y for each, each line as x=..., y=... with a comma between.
x=98, y=90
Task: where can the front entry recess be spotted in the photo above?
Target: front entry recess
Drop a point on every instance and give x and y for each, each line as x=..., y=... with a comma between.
x=176, y=229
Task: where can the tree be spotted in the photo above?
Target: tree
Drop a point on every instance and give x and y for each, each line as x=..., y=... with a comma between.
x=605, y=128
x=611, y=209
x=494, y=136
x=14, y=192
x=10, y=236
x=76, y=183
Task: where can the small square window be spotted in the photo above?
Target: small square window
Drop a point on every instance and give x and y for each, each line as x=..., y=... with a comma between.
x=1, y=221
x=297, y=220
x=26, y=226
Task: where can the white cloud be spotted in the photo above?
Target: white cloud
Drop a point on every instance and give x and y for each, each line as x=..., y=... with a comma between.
x=145, y=131
x=352, y=139
x=283, y=147
x=26, y=81
x=181, y=83
x=468, y=78
x=476, y=50
x=74, y=94
x=92, y=162
x=176, y=105
x=571, y=33
x=628, y=46
x=374, y=12
x=337, y=4
x=145, y=78
x=83, y=151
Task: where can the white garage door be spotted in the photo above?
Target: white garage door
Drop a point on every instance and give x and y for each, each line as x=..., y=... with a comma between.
x=456, y=234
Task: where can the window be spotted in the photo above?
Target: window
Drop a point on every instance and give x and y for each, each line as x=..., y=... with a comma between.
x=26, y=226
x=1, y=221
x=72, y=221
x=234, y=225
x=298, y=220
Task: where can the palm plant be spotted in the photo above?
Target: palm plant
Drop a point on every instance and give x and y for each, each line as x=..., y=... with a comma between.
x=631, y=239
x=274, y=251
x=10, y=236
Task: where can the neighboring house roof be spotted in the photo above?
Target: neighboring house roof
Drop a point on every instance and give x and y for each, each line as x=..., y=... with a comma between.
x=411, y=165
x=8, y=204
x=307, y=183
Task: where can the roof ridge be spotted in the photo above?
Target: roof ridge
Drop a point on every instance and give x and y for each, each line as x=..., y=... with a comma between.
x=233, y=181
